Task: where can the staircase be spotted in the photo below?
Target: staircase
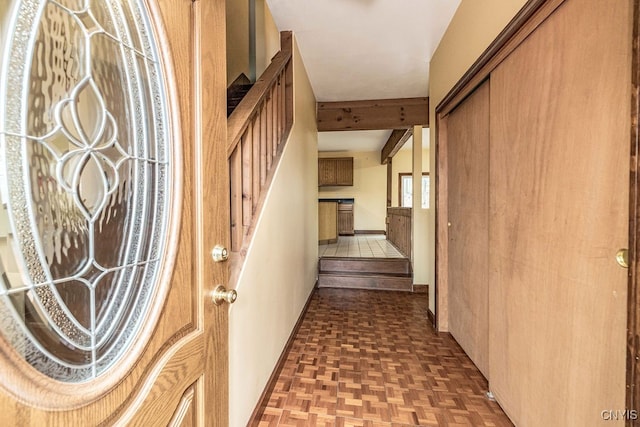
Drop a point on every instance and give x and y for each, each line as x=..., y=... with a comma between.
x=258, y=126
x=237, y=91
x=365, y=273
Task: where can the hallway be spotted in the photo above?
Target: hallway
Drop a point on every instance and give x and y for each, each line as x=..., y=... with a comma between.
x=370, y=358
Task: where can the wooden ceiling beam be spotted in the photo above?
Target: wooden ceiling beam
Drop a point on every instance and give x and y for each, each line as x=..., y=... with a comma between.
x=395, y=142
x=401, y=113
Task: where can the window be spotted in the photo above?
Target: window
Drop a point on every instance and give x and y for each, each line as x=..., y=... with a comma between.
x=405, y=193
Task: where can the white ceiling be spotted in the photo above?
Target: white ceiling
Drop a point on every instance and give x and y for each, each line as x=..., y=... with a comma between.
x=362, y=140
x=366, y=49
x=357, y=140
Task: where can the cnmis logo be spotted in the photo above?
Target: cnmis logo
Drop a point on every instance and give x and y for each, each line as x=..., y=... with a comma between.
x=619, y=414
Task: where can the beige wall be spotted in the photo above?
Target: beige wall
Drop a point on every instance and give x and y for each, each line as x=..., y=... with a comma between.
x=369, y=189
x=280, y=269
x=419, y=216
x=237, y=39
x=267, y=38
x=473, y=27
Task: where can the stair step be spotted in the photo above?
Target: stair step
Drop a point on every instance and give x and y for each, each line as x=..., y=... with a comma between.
x=365, y=273
x=235, y=95
x=240, y=92
x=385, y=282
x=365, y=265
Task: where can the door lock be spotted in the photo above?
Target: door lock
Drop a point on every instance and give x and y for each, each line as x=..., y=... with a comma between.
x=219, y=254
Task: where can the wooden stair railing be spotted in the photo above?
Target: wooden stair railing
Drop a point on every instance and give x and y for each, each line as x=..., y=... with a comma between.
x=257, y=131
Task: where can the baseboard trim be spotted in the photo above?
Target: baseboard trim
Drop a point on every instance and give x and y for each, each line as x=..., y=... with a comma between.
x=373, y=282
x=431, y=317
x=264, y=397
x=327, y=241
x=420, y=289
x=370, y=232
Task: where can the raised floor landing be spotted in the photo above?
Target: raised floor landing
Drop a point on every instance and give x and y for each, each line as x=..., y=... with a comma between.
x=360, y=246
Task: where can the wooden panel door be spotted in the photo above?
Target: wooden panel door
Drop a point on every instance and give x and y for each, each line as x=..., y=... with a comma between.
x=175, y=372
x=335, y=171
x=468, y=154
x=327, y=170
x=327, y=222
x=345, y=219
x=344, y=171
x=559, y=177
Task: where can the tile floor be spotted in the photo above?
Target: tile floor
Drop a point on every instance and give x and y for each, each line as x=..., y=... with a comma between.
x=370, y=358
x=361, y=246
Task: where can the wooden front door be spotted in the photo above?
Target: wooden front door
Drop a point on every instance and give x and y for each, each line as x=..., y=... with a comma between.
x=170, y=365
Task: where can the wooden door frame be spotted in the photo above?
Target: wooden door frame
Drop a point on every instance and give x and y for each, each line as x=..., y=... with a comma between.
x=212, y=199
x=633, y=301
x=532, y=14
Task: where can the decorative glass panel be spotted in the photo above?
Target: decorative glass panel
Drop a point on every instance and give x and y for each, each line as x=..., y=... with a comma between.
x=85, y=175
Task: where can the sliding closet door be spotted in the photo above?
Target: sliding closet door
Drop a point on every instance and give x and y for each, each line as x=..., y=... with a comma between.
x=560, y=110
x=468, y=197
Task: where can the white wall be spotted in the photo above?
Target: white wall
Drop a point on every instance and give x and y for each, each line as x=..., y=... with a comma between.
x=280, y=269
x=369, y=189
x=473, y=27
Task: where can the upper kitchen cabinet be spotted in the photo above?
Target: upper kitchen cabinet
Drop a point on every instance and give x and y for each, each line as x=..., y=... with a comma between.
x=335, y=171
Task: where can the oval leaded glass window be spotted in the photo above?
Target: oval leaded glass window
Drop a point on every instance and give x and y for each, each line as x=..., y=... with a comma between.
x=85, y=173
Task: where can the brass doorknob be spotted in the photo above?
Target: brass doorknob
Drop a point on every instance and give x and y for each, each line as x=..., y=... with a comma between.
x=221, y=294
x=622, y=258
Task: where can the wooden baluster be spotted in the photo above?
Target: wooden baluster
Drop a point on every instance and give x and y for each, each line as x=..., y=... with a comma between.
x=288, y=87
x=281, y=110
x=276, y=113
x=235, y=170
x=269, y=134
x=274, y=120
x=255, y=129
x=276, y=116
x=247, y=179
x=263, y=145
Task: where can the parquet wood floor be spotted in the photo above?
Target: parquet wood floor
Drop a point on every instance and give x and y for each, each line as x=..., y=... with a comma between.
x=371, y=359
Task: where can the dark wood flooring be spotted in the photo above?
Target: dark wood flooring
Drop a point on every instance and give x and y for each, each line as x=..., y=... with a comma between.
x=370, y=358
